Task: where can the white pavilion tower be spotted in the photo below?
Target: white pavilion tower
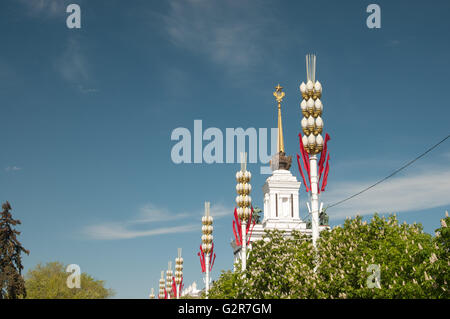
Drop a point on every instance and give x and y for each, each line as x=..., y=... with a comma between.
x=281, y=193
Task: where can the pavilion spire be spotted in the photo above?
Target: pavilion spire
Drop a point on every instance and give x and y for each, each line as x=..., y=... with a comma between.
x=279, y=95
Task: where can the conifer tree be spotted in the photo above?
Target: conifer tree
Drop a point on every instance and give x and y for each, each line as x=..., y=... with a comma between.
x=12, y=284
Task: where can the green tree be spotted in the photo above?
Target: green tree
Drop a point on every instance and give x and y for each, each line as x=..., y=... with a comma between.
x=256, y=216
x=226, y=287
x=323, y=218
x=50, y=282
x=276, y=268
x=412, y=264
x=438, y=268
x=400, y=251
x=12, y=284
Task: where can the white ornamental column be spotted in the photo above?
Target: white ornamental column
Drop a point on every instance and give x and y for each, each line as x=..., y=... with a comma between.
x=312, y=126
x=169, y=274
x=244, y=203
x=162, y=285
x=178, y=272
x=207, y=239
x=314, y=199
x=244, y=245
x=152, y=294
x=207, y=275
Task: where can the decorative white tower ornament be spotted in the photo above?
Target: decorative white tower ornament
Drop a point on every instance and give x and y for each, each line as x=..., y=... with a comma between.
x=207, y=246
x=162, y=287
x=178, y=273
x=152, y=294
x=281, y=209
x=169, y=275
x=312, y=142
x=244, y=204
x=281, y=189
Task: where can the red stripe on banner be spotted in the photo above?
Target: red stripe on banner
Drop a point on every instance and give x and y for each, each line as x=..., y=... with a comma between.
x=249, y=221
x=306, y=165
x=238, y=225
x=323, y=155
x=239, y=228
x=305, y=158
x=325, y=178
x=181, y=284
x=174, y=287
x=201, y=264
x=202, y=259
x=238, y=243
x=301, y=173
x=251, y=232
x=212, y=263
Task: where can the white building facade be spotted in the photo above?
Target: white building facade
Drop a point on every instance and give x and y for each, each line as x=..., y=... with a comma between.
x=281, y=195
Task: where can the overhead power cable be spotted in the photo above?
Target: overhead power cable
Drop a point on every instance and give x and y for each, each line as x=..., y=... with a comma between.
x=392, y=174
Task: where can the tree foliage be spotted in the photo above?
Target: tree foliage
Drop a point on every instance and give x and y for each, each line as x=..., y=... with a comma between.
x=256, y=216
x=50, y=282
x=411, y=263
x=12, y=284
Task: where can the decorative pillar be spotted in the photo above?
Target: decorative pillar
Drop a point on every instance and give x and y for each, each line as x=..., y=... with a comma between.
x=314, y=199
x=244, y=203
x=152, y=294
x=207, y=245
x=162, y=286
x=178, y=273
x=169, y=275
x=312, y=140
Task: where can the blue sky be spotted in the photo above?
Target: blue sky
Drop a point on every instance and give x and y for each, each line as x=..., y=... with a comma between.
x=87, y=116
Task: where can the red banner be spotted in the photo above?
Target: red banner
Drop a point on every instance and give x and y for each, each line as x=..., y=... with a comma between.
x=212, y=263
x=212, y=255
x=324, y=155
x=238, y=225
x=301, y=173
x=174, y=287
x=305, y=160
x=325, y=177
x=202, y=259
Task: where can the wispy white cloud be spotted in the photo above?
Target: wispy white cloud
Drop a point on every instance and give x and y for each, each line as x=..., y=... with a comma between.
x=12, y=168
x=235, y=34
x=393, y=43
x=422, y=188
x=219, y=210
x=120, y=231
x=46, y=7
x=73, y=67
x=148, y=215
x=88, y=90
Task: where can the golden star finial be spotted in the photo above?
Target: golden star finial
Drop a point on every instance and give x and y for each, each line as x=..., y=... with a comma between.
x=279, y=94
x=278, y=87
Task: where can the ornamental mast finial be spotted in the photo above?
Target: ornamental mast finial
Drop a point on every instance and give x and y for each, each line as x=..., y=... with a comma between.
x=243, y=161
x=279, y=95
